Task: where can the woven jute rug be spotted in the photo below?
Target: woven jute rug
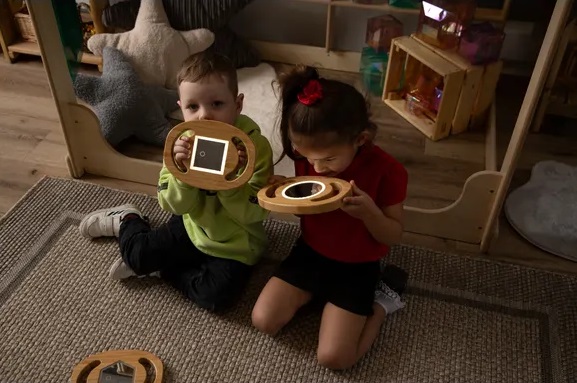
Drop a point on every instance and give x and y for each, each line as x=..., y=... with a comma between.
x=466, y=320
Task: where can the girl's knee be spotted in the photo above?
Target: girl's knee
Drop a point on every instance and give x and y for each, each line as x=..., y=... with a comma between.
x=265, y=321
x=335, y=359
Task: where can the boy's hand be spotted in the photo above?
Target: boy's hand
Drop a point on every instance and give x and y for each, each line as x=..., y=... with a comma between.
x=242, y=157
x=182, y=151
x=360, y=205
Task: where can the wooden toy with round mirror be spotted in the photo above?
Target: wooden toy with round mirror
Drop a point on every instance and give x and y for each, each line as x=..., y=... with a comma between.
x=119, y=366
x=305, y=195
x=214, y=158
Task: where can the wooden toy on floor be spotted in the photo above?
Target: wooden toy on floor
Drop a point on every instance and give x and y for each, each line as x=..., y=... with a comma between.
x=214, y=156
x=304, y=195
x=119, y=366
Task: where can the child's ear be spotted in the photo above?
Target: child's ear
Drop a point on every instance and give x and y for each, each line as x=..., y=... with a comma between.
x=179, y=104
x=363, y=138
x=239, y=102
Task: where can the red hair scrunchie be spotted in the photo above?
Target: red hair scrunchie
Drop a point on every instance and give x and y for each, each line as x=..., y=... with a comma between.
x=311, y=93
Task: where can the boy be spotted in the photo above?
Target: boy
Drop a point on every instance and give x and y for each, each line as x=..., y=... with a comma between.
x=208, y=246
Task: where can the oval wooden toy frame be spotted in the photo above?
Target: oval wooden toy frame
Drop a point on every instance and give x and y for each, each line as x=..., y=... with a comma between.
x=472, y=218
x=330, y=197
x=90, y=368
x=216, y=132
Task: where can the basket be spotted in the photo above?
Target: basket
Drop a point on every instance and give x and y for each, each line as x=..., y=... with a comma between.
x=24, y=24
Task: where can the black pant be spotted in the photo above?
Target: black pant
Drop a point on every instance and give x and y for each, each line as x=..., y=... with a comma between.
x=211, y=282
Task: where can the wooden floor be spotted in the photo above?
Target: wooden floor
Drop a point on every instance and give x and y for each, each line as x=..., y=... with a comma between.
x=32, y=145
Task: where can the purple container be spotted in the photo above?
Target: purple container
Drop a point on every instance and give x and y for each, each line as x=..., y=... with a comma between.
x=481, y=43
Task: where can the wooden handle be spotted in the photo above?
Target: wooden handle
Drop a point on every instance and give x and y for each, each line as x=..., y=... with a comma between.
x=218, y=135
x=90, y=369
x=273, y=197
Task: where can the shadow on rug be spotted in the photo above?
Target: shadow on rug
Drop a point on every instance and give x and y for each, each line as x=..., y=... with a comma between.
x=466, y=320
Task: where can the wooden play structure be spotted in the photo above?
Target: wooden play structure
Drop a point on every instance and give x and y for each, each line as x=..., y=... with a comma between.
x=471, y=218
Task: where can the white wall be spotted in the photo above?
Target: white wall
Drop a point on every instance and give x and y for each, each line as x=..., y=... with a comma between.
x=305, y=23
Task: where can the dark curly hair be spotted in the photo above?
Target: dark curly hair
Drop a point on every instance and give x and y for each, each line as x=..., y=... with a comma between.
x=342, y=109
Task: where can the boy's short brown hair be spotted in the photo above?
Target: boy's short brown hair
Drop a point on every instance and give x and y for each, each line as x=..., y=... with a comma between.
x=206, y=63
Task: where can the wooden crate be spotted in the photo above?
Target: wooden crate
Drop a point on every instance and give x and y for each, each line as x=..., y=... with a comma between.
x=478, y=89
x=486, y=95
x=405, y=58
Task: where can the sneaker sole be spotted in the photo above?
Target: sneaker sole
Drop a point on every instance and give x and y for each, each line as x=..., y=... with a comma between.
x=83, y=227
x=116, y=274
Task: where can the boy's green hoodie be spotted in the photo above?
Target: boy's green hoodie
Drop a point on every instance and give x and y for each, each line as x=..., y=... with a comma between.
x=229, y=223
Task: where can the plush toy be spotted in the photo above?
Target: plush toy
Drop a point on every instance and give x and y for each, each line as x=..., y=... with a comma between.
x=184, y=15
x=155, y=49
x=125, y=105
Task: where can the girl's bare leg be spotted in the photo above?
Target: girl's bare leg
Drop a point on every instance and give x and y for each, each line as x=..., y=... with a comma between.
x=345, y=337
x=277, y=304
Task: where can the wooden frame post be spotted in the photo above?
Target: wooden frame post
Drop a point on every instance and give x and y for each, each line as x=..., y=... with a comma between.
x=88, y=151
x=540, y=71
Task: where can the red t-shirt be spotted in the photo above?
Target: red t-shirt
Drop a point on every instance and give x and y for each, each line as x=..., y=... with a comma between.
x=336, y=234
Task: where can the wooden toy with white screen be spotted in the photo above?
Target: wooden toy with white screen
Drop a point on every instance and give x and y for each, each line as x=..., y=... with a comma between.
x=214, y=156
x=305, y=195
x=119, y=366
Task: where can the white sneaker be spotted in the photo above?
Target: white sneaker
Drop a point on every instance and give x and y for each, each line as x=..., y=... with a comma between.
x=120, y=270
x=106, y=222
x=388, y=298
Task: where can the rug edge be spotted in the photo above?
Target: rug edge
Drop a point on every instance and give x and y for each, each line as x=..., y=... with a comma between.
x=45, y=178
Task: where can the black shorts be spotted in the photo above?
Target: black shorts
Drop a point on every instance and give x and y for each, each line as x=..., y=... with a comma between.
x=350, y=286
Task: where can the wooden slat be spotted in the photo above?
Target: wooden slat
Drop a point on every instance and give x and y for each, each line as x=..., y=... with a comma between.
x=424, y=55
x=31, y=48
x=310, y=55
x=8, y=31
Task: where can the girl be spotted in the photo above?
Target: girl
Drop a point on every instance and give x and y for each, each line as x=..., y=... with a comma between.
x=325, y=129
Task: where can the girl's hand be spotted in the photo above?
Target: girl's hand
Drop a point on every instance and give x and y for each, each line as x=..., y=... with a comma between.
x=275, y=178
x=360, y=205
x=182, y=151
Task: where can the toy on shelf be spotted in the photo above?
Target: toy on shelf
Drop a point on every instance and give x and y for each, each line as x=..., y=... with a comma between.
x=421, y=97
x=407, y=4
x=381, y=30
x=214, y=160
x=438, y=94
x=481, y=43
x=441, y=22
x=305, y=195
x=119, y=366
x=373, y=70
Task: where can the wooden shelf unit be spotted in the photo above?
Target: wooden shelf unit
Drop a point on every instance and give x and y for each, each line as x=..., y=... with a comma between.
x=348, y=61
x=12, y=43
x=487, y=14
x=31, y=48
